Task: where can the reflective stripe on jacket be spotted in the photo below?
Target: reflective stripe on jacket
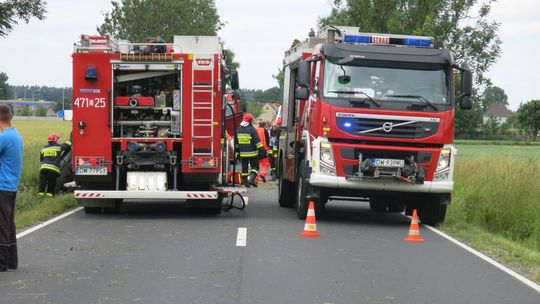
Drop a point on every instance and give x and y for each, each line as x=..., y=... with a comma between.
x=51, y=156
x=247, y=141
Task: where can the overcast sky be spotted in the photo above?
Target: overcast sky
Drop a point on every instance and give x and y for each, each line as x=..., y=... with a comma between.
x=258, y=32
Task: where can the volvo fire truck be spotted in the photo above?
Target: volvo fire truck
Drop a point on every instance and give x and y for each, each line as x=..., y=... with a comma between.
x=149, y=121
x=370, y=117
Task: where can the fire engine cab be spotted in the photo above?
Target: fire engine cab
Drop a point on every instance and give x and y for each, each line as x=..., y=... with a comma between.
x=149, y=121
x=369, y=116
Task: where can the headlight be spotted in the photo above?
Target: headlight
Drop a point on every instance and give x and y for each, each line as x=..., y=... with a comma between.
x=326, y=153
x=444, y=159
x=328, y=171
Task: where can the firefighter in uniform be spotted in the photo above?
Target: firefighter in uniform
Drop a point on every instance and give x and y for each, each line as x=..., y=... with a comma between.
x=249, y=147
x=274, y=141
x=50, y=158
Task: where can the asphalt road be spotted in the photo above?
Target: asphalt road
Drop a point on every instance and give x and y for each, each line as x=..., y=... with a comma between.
x=163, y=253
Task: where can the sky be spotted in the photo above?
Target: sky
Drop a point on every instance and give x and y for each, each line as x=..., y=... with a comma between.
x=258, y=32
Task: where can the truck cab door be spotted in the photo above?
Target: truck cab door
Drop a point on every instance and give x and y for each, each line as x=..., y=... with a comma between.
x=288, y=131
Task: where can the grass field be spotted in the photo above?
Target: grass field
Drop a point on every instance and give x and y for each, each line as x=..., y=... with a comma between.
x=496, y=202
x=30, y=209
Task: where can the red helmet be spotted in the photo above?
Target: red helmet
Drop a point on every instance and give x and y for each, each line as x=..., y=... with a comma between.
x=53, y=137
x=248, y=118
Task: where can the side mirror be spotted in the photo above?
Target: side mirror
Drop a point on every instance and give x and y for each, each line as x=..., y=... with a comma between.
x=465, y=103
x=235, y=85
x=466, y=83
x=301, y=93
x=304, y=73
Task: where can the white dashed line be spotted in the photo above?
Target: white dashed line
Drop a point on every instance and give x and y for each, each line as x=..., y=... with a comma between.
x=37, y=227
x=241, y=237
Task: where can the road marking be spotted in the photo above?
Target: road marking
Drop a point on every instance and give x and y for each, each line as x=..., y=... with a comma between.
x=37, y=227
x=484, y=257
x=246, y=200
x=241, y=237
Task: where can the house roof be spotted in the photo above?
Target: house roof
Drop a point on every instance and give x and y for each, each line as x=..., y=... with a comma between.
x=498, y=109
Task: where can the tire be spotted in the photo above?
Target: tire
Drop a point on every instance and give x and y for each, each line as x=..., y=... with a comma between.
x=433, y=209
x=410, y=205
x=394, y=206
x=301, y=202
x=66, y=175
x=377, y=205
x=92, y=210
x=285, y=190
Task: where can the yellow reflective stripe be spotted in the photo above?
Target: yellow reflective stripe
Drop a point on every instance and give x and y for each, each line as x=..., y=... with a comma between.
x=248, y=154
x=259, y=145
x=244, y=139
x=50, y=167
x=51, y=149
x=68, y=142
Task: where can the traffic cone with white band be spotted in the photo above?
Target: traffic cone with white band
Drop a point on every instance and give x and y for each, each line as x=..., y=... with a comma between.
x=414, y=230
x=310, y=228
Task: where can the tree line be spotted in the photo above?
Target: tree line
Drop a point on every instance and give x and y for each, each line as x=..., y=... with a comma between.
x=462, y=26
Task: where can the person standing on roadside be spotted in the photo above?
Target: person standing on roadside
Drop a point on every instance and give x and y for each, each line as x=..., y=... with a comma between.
x=11, y=148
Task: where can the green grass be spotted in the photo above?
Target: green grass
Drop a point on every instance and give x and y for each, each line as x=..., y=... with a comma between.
x=496, y=203
x=29, y=209
x=496, y=142
x=495, y=152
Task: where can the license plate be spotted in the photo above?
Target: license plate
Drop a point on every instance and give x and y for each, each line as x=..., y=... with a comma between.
x=389, y=163
x=91, y=171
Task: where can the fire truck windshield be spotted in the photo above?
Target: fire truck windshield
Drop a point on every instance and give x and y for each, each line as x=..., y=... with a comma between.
x=386, y=81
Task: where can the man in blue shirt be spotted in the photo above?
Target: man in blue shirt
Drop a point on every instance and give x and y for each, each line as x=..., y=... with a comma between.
x=10, y=173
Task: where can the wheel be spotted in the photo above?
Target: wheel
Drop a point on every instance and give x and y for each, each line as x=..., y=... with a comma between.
x=377, y=205
x=302, y=202
x=92, y=210
x=285, y=190
x=114, y=208
x=216, y=206
x=410, y=206
x=394, y=206
x=65, y=172
x=433, y=209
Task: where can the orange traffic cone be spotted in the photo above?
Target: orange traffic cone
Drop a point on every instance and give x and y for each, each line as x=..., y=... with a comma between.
x=310, y=228
x=414, y=230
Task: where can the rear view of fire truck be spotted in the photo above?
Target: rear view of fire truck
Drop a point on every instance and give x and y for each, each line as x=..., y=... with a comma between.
x=370, y=116
x=148, y=121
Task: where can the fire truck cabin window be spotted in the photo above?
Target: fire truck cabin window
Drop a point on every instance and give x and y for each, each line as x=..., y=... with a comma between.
x=380, y=80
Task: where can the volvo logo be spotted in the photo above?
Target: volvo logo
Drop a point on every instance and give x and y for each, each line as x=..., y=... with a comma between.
x=387, y=126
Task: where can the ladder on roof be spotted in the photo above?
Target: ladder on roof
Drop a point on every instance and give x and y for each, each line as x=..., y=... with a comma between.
x=202, y=110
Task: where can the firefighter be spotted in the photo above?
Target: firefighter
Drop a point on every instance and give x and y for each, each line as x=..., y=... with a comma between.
x=264, y=162
x=50, y=158
x=274, y=136
x=249, y=147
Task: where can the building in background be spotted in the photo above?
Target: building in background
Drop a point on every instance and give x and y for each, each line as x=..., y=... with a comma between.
x=268, y=112
x=497, y=111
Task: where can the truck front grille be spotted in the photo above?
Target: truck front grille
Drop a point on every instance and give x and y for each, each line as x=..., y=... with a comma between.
x=380, y=127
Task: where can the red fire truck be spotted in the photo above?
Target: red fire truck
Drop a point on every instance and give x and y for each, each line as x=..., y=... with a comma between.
x=149, y=121
x=370, y=116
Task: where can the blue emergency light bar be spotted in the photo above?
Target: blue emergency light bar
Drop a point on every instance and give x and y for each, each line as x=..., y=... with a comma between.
x=394, y=40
